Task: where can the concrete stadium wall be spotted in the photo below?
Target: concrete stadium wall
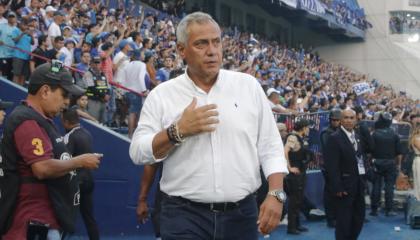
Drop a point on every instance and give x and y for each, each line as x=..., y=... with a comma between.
x=388, y=58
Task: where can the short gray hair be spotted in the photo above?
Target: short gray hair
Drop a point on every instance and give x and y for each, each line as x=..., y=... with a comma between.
x=196, y=17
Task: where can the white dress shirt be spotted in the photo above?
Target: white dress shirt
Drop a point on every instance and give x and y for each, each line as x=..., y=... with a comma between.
x=132, y=76
x=351, y=136
x=222, y=166
x=118, y=73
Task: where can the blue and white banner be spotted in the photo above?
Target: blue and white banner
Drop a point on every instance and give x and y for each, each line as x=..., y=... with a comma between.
x=313, y=6
x=291, y=3
x=360, y=88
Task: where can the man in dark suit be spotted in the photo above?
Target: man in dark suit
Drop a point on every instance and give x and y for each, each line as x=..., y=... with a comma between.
x=345, y=166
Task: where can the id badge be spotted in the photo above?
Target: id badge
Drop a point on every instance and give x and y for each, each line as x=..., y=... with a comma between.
x=361, y=165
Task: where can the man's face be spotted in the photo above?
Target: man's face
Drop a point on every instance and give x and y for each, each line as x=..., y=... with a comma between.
x=2, y=10
x=203, y=50
x=335, y=123
x=168, y=62
x=85, y=47
x=12, y=20
x=59, y=44
x=86, y=58
x=348, y=119
x=34, y=4
x=54, y=101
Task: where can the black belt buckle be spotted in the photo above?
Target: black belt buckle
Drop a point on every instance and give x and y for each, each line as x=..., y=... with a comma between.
x=223, y=207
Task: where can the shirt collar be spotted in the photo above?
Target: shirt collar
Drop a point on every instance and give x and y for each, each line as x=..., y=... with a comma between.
x=347, y=132
x=217, y=84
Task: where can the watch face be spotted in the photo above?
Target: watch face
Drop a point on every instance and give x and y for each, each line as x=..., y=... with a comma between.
x=281, y=195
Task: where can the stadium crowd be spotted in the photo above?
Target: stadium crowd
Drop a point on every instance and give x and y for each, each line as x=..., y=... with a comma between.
x=84, y=33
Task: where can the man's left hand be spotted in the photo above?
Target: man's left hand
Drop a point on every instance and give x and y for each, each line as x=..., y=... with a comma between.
x=270, y=213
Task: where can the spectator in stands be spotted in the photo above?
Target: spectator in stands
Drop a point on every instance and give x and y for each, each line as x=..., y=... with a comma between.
x=163, y=73
x=183, y=119
x=6, y=42
x=121, y=59
x=97, y=90
x=39, y=56
x=82, y=67
x=57, y=45
x=134, y=78
x=295, y=151
x=49, y=16
x=79, y=141
x=150, y=59
x=274, y=101
x=66, y=52
x=80, y=103
x=54, y=28
x=22, y=37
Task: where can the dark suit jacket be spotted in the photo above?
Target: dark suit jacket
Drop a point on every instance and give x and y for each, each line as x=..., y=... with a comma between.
x=341, y=162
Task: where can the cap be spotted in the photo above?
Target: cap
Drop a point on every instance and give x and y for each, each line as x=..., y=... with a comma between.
x=104, y=35
x=55, y=74
x=11, y=14
x=67, y=27
x=50, y=9
x=4, y=104
x=124, y=43
x=271, y=91
x=70, y=40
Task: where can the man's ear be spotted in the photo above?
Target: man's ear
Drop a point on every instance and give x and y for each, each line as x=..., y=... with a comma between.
x=180, y=49
x=44, y=91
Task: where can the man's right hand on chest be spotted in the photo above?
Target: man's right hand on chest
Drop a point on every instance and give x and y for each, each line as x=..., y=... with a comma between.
x=195, y=120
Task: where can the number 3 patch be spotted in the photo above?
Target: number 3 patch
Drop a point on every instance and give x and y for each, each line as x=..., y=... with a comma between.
x=39, y=148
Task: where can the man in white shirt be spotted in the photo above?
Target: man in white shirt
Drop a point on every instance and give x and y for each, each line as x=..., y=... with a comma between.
x=212, y=129
x=121, y=59
x=54, y=28
x=273, y=96
x=133, y=77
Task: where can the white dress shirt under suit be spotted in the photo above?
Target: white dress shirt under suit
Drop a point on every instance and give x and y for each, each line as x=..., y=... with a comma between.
x=221, y=166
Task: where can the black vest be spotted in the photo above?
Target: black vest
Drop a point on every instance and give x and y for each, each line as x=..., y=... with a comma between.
x=63, y=191
x=299, y=158
x=100, y=87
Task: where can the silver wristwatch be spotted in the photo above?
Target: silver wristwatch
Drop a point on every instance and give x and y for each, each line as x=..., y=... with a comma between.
x=279, y=194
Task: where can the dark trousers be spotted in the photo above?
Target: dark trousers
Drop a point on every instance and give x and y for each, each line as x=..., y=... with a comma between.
x=350, y=211
x=383, y=169
x=329, y=207
x=181, y=219
x=155, y=215
x=86, y=209
x=295, y=186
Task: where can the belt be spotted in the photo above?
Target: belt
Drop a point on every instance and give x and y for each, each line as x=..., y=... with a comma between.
x=214, y=207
